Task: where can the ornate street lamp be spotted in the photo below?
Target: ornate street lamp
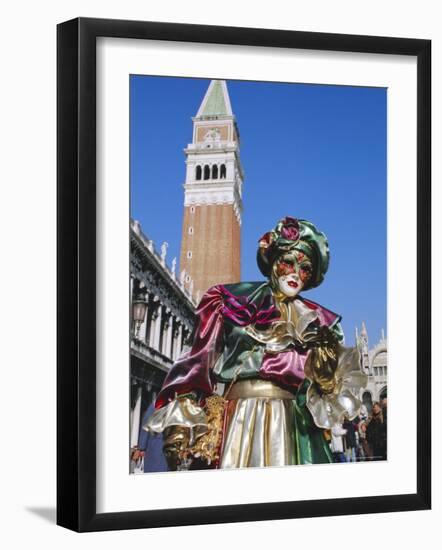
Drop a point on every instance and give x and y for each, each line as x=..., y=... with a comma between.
x=139, y=308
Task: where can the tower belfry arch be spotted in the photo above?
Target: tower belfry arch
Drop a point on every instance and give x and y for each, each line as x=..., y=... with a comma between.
x=211, y=235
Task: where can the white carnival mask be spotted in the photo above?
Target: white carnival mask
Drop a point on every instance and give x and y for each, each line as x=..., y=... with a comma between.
x=293, y=270
x=290, y=285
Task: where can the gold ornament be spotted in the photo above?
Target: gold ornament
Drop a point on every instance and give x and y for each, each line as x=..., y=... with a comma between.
x=207, y=447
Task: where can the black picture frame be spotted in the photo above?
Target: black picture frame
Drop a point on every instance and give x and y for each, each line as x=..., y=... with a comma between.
x=76, y=273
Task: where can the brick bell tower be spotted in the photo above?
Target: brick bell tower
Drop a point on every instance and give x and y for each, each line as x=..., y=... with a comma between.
x=211, y=239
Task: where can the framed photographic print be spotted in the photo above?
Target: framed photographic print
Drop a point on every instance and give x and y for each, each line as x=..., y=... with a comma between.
x=243, y=274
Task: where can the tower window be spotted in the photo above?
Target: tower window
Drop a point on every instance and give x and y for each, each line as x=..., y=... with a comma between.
x=215, y=172
x=206, y=172
x=187, y=279
x=223, y=171
x=189, y=254
x=190, y=230
x=198, y=173
x=192, y=210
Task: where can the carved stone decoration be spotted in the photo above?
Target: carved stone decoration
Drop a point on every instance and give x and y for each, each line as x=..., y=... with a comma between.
x=157, y=279
x=164, y=248
x=137, y=227
x=212, y=135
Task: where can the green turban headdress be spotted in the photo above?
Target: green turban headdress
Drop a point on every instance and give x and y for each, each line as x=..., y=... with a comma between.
x=292, y=234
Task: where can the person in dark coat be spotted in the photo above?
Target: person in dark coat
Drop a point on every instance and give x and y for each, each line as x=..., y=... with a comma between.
x=350, y=440
x=384, y=411
x=377, y=433
x=152, y=446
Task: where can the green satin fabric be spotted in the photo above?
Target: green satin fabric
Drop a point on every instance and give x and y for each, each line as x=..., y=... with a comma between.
x=310, y=444
x=242, y=355
x=241, y=358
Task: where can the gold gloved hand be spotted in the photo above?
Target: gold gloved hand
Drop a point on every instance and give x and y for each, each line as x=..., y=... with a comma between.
x=323, y=360
x=175, y=443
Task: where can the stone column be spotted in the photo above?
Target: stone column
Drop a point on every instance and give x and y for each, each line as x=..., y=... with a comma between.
x=136, y=419
x=158, y=328
x=168, y=346
x=143, y=326
x=148, y=326
x=178, y=339
x=165, y=329
x=152, y=326
x=182, y=338
x=131, y=299
x=150, y=321
x=153, y=323
x=131, y=291
x=175, y=335
x=230, y=169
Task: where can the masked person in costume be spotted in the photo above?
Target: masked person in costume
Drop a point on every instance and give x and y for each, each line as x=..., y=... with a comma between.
x=279, y=358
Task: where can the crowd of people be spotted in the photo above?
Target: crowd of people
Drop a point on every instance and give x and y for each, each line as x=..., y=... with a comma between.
x=363, y=438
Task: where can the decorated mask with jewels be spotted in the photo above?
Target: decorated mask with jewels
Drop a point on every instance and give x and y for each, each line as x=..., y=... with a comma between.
x=292, y=271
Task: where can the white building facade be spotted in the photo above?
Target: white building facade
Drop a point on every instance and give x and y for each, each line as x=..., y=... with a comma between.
x=375, y=365
x=160, y=338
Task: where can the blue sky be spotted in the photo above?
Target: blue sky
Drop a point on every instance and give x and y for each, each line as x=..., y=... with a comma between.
x=314, y=152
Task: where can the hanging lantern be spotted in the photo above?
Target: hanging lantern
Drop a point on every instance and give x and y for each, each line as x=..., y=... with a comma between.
x=139, y=308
